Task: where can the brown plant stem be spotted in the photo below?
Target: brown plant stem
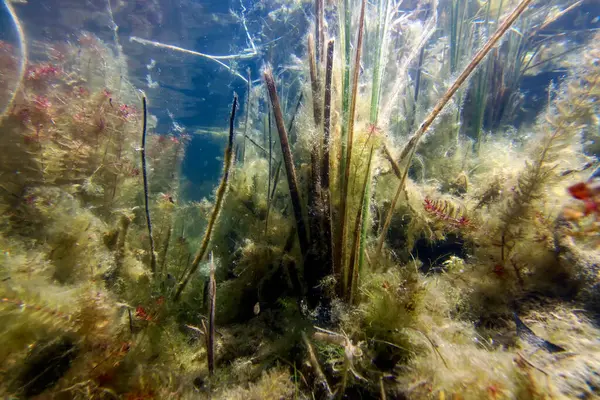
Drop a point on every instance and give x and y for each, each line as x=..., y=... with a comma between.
x=145, y=176
x=280, y=163
x=278, y=168
x=288, y=160
x=314, y=80
x=327, y=117
x=218, y=203
x=410, y=148
x=314, y=184
x=395, y=166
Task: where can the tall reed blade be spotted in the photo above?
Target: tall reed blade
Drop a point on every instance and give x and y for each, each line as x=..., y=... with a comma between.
x=345, y=28
x=350, y=139
x=327, y=117
x=353, y=267
x=410, y=148
x=365, y=216
x=145, y=176
x=314, y=185
x=218, y=204
x=288, y=160
x=326, y=194
x=413, y=111
x=382, y=6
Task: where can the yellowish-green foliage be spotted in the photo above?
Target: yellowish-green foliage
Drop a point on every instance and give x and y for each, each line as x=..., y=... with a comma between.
x=273, y=385
x=391, y=302
x=244, y=212
x=70, y=187
x=518, y=208
x=451, y=358
x=74, y=262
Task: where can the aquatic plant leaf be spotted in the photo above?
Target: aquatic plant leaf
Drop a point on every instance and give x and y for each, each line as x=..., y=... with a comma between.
x=525, y=333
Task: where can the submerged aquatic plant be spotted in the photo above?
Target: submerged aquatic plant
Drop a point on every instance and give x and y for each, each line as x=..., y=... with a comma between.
x=474, y=241
x=410, y=148
x=447, y=213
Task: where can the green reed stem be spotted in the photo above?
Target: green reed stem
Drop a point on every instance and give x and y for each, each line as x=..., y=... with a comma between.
x=382, y=6
x=358, y=233
x=351, y=114
x=345, y=89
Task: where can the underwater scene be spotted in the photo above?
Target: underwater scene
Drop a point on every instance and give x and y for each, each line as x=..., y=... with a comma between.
x=300, y=199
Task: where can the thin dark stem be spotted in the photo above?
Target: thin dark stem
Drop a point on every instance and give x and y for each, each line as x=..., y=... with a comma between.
x=395, y=166
x=257, y=145
x=275, y=180
x=249, y=89
x=210, y=337
x=291, y=124
x=269, y=184
x=145, y=176
x=418, y=74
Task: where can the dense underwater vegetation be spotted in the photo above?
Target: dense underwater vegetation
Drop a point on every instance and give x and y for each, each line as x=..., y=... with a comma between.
x=406, y=204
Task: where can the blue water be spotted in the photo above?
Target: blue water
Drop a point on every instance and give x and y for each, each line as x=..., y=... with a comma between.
x=196, y=91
